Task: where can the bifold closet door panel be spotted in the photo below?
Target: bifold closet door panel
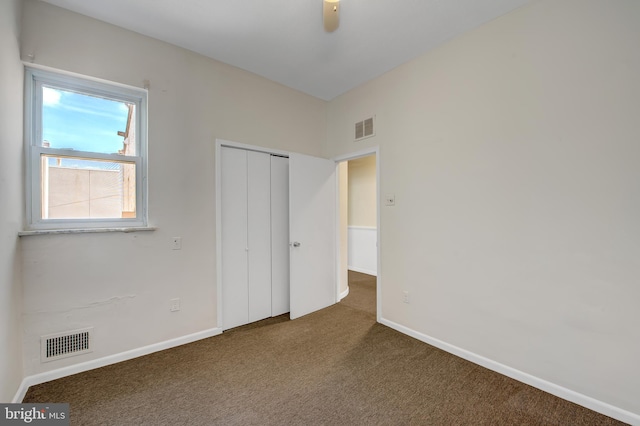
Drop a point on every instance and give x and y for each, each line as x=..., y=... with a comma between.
x=279, y=235
x=259, y=234
x=235, y=291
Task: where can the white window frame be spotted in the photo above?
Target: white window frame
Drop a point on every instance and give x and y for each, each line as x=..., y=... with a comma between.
x=34, y=79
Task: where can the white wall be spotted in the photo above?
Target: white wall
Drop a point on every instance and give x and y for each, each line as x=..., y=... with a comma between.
x=122, y=283
x=11, y=200
x=513, y=154
x=363, y=251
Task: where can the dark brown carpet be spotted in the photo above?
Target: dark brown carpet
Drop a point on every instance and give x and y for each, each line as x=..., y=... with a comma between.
x=334, y=367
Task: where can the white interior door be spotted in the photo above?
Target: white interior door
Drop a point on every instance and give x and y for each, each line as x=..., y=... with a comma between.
x=312, y=221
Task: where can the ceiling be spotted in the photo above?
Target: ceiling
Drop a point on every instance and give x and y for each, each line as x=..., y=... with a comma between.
x=284, y=40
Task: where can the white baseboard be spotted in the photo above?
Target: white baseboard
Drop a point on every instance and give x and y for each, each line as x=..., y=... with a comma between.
x=108, y=360
x=536, y=382
x=362, y=270
x=343, y=294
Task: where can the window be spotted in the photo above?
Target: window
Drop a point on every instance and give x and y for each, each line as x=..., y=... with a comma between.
x=86, y=152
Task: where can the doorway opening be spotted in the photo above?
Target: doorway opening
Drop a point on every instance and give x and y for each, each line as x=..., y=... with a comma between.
x=358, y=222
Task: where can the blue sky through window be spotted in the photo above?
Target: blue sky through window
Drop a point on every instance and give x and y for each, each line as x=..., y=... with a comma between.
x=81, y=122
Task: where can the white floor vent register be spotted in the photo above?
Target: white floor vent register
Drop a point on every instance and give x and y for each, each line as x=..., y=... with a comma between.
x=66, y=344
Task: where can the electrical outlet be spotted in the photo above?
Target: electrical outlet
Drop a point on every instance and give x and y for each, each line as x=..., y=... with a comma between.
x=390, y=200
x=174, y=305
x=176, y=243
x=405, y=296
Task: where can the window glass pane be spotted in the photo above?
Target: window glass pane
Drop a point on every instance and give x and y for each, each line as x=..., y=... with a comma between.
x=76, y=188
x=88, y=123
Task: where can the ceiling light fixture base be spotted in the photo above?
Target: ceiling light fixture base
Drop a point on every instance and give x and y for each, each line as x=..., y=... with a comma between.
x=330, y=15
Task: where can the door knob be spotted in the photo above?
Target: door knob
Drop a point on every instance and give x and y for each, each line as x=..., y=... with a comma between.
x=294, y=244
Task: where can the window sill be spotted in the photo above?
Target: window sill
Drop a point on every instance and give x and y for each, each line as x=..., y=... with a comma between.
x=84, y=231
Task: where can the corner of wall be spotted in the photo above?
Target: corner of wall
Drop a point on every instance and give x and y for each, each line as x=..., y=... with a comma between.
x=11, y=215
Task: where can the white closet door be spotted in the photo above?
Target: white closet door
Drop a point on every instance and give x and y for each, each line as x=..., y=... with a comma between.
x=312, y=203
x=235, y=291
x=259, y=234
x=279, y=235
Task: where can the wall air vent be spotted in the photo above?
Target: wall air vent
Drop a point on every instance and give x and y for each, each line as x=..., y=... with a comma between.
x=364, y=128
x=66, y=344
